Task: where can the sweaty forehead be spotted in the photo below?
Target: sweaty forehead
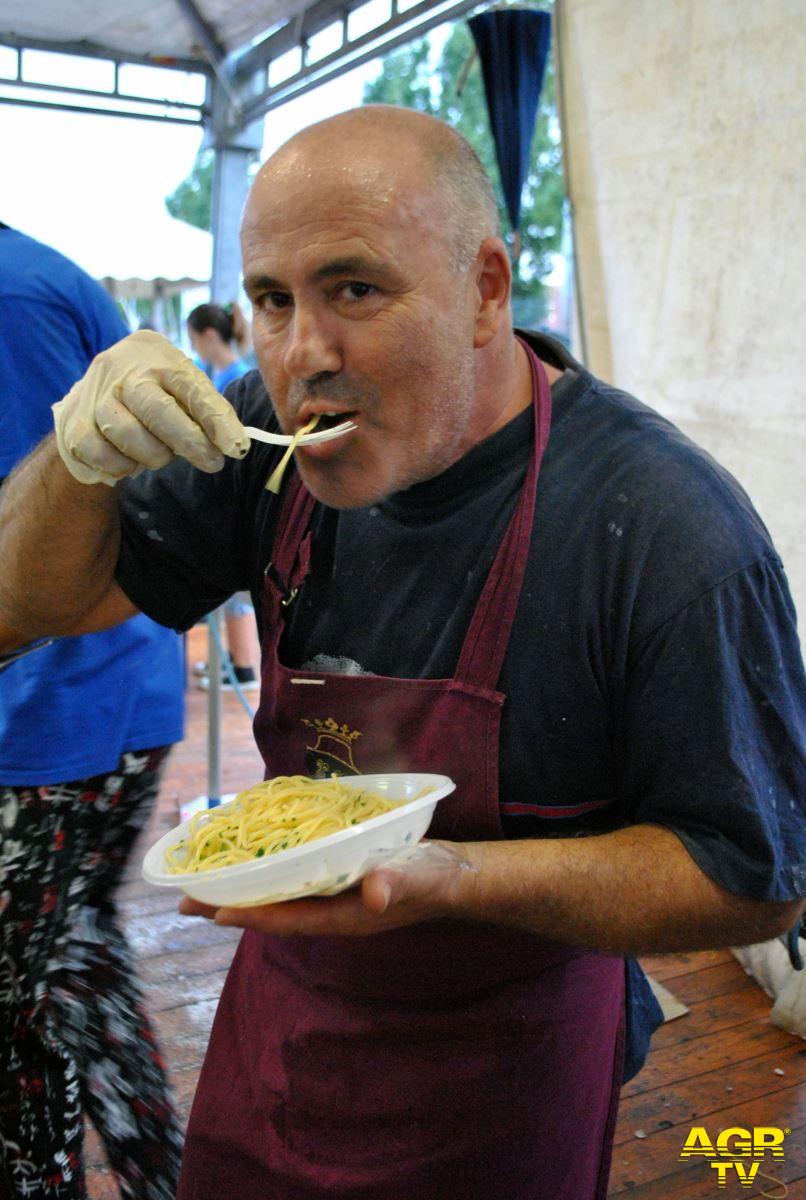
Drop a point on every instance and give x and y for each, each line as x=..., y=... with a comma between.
x=320, y=184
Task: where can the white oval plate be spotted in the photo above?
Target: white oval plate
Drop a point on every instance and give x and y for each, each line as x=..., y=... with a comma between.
x=319, y=868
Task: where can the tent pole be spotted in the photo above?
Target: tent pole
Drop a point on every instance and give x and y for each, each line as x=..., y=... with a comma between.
x=235, y=148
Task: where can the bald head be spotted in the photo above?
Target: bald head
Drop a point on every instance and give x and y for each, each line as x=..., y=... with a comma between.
x=387, y=149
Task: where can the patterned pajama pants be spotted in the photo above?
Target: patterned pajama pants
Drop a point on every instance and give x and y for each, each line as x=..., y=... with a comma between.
x=74, y=1035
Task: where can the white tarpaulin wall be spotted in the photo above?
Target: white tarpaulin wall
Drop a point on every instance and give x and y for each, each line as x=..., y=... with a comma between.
x=684, y=128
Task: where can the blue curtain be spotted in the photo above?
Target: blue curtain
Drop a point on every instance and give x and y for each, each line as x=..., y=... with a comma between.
x=512, y=45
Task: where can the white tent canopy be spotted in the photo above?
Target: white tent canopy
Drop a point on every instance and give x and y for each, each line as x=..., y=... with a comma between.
x=150, y=28
x=164, y=257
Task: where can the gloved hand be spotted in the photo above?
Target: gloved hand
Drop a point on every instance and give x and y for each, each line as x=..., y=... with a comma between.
x=140, y=403
x=426, y=867
x=418, y=884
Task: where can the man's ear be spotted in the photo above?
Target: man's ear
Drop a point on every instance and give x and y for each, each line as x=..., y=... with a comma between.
x=493, y=288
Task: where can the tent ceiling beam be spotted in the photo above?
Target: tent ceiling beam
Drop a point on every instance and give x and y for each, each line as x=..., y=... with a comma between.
x=398, y=29
x=203, y=30
x=300, y=29
x=319, y=16
x=114, y=94
x=95, y=111
x=89, y=49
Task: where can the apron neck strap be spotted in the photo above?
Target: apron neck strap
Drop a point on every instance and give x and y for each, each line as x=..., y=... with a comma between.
x=487, y=638
x=292, y=543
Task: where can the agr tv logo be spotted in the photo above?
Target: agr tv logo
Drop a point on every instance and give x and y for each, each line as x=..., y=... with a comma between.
x=737, y=1152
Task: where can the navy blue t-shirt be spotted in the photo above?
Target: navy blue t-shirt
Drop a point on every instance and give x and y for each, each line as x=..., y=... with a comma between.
x=653, y=674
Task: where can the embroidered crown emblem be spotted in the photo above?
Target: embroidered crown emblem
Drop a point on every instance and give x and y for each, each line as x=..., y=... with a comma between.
x=333, y=752
x=342, y=733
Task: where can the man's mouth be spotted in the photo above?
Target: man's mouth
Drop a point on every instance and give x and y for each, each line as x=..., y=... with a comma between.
x=327, y=420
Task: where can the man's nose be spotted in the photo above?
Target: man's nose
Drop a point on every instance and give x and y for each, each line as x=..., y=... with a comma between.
x=312, y=348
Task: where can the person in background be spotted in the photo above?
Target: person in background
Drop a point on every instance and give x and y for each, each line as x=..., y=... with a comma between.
x=508, y=572
x=214, y=334
x=241, y=650
x=86, y=723
x=212, y=337
x=242, y=332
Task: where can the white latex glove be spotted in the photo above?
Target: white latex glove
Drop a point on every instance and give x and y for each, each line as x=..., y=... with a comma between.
x=141, y=403
x=426, y=861
x=418, y=884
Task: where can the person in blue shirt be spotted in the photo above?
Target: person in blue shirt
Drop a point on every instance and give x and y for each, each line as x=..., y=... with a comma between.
x=86, y=724
x=242, y=330
x=212, y=336
x=214, y=333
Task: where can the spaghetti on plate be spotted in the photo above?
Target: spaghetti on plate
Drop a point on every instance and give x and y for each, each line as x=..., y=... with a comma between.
x=276, y=815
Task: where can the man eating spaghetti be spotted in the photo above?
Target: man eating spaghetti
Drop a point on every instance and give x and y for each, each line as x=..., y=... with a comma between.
x=507, y=572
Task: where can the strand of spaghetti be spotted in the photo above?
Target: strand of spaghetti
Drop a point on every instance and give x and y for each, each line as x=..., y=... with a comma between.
x=276, y=477
x=777, y=1183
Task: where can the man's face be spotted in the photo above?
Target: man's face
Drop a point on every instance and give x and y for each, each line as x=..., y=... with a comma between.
x=358, y=312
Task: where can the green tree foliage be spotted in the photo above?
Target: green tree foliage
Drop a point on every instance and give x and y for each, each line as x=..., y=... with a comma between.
x=410, y=77
x=191, y=201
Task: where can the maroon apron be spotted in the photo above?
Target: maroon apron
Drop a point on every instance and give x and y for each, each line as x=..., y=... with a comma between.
x=447, y=1059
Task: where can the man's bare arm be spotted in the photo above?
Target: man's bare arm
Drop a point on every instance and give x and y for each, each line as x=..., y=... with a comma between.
x=58, y=548
x=635, y=891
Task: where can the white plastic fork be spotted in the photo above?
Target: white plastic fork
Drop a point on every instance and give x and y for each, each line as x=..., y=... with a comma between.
x=285, y=439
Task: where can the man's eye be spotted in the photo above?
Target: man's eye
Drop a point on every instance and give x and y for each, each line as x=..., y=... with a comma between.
x=274, y=300
x=355, y=290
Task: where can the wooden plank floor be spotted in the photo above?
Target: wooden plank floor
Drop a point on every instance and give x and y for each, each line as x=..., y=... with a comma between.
x=721, y=1064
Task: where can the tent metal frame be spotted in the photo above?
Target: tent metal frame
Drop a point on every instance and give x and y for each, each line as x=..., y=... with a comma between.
x=241, y=74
